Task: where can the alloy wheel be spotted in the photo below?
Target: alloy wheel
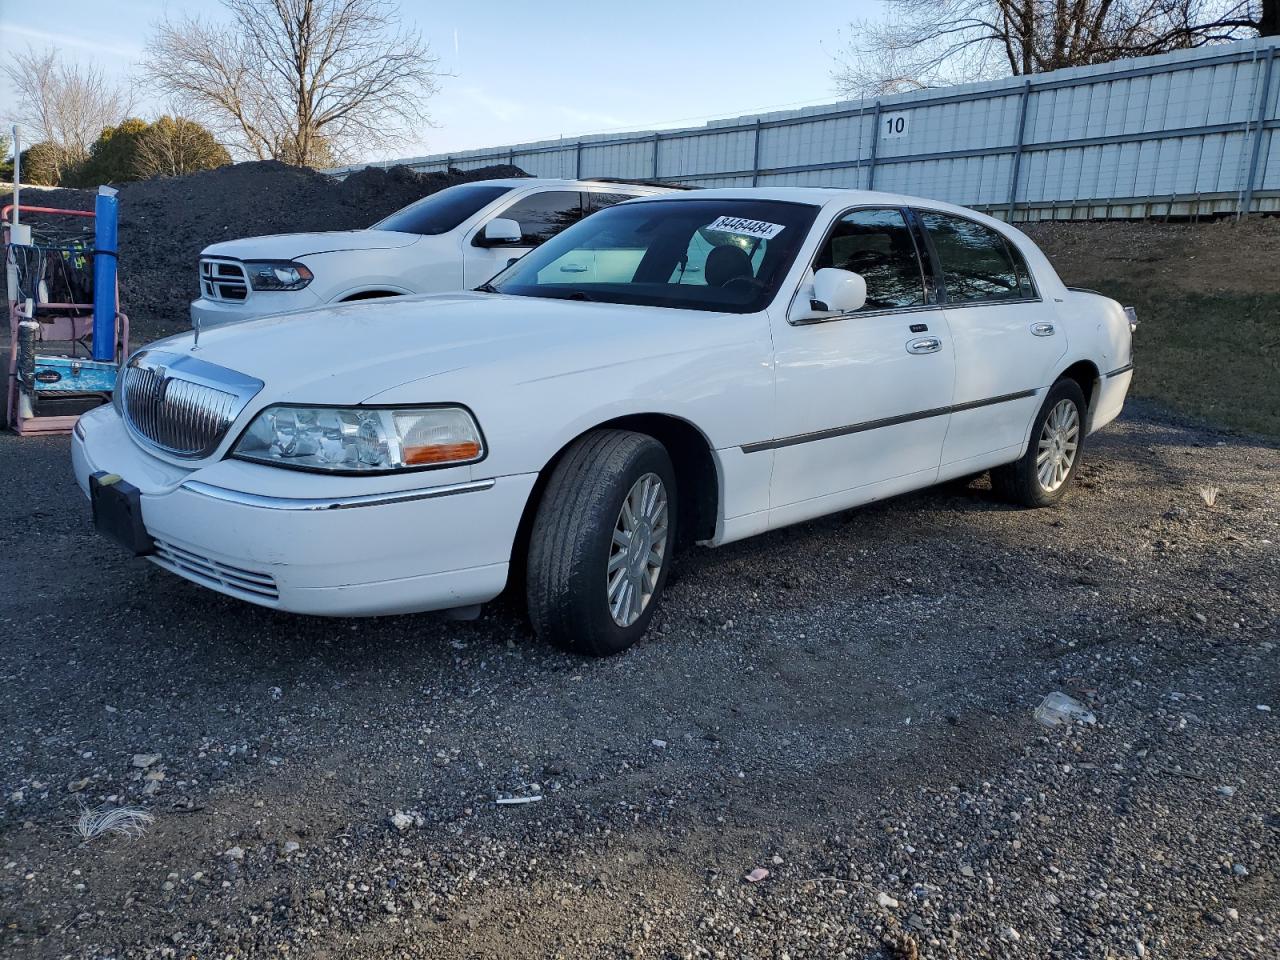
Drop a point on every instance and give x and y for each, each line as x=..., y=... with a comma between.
x=1059, y=441
x=638, y=549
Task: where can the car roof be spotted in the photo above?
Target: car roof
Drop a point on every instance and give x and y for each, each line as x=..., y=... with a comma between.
x=641, y=189
x=821, y=196
x=839, y=198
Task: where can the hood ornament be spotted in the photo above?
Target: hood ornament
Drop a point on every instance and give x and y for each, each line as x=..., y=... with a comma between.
x=195, y=323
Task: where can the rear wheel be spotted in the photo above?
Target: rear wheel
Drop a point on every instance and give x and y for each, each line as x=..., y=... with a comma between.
x=1041, y=476
x=601, y=543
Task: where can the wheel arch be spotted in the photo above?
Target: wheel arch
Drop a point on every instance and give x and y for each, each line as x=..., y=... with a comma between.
x=692, y=455
x=371, y=293
x=1089, y=377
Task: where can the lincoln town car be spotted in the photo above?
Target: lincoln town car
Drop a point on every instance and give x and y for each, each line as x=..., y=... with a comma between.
x=676, y=370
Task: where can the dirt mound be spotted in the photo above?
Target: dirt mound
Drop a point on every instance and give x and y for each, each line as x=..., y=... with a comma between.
x=166, y=222
x=1219, y=256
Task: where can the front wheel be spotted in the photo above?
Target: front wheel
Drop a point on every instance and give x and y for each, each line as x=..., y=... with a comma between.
x=601, y=543
x=1041, y=476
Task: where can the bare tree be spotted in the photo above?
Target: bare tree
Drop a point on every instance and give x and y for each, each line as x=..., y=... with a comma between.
x=934, y=42
x=304, y=81
x=64, y=105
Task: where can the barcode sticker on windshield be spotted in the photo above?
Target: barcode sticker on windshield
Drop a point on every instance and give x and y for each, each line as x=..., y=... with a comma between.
x=747, y=228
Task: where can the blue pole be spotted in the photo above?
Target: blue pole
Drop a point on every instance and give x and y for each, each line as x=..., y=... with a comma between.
x=104, y=274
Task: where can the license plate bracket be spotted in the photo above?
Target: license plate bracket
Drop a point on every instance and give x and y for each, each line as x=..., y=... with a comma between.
x=117, y=513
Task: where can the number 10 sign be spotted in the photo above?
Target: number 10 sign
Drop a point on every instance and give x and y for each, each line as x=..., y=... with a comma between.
x=894, y=125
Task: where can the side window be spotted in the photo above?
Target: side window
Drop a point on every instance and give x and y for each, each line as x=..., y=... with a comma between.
x=598, y=201
x=543, y=215
x=877, y=244
x=977, y=264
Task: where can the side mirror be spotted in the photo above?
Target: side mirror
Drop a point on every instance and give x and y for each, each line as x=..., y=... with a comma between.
x=500, y=232
x=838, y=291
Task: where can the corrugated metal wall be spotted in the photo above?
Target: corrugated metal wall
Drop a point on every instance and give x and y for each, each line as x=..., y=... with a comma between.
x=1184, y=134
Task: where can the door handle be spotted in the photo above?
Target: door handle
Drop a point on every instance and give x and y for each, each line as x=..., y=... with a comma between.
x=572, y=268
x=1042, y=329
x=924, y=345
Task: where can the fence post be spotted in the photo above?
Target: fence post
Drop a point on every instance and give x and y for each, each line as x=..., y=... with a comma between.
x=656, y=137
x=755, y=159
x=1263, y=94
x=875, y=143
x=577, y=160
x=1017, y=150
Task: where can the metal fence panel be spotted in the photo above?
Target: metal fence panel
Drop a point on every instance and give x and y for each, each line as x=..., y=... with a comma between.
x=1183, y=134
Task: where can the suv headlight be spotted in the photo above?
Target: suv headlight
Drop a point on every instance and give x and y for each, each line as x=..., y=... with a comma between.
x=362, y=439
x=277, y=274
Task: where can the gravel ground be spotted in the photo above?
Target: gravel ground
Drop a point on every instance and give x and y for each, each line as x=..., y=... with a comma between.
x=846, y=704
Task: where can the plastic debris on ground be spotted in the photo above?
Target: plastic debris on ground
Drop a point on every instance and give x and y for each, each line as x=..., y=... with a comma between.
x=1057, y=708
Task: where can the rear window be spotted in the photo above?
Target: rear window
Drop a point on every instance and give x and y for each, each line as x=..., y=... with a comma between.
x=442, y=211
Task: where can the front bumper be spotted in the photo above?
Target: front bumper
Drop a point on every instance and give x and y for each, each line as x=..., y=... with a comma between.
x=425, y=547
x=208, y=313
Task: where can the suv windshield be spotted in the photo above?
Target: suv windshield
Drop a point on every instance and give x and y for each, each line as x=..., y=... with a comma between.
x=701, y=254
x=442, y=211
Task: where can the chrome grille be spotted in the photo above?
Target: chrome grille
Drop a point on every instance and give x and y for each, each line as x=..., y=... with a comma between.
x=180, y=404
x=223, y=280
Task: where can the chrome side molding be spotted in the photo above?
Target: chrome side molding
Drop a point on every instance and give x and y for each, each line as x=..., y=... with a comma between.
x=334, y=503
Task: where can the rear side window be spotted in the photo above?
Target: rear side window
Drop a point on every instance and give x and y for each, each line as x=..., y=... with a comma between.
x=442, y=211
x=598, y=201
x=878, y=245
x=543, y=215
x=977, y=263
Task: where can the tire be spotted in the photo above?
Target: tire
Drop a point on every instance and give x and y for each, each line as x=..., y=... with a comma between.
x=588, y=593
x=1022, y=481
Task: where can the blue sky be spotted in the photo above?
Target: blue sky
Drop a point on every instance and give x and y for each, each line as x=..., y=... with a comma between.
x=522, y=71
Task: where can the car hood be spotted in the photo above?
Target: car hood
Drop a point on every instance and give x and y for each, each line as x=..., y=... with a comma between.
x=353, y=353
x=290, y=246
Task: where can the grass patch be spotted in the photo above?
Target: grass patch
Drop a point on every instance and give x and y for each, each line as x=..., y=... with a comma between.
x=1214, y=356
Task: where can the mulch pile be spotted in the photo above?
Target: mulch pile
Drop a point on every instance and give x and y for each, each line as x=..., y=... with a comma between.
x=166, y=222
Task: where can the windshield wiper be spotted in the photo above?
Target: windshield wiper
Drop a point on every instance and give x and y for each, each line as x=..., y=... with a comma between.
x=486, y=287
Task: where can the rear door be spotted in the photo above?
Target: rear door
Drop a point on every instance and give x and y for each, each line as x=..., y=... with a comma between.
x=541, y=216
x=1006, y=339
x=862, y=398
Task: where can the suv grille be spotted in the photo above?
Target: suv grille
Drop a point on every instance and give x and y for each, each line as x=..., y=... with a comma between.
x=181, y=405
x=223, y=279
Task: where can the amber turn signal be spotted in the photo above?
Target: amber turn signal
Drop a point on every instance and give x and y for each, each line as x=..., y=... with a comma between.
x=441, y=453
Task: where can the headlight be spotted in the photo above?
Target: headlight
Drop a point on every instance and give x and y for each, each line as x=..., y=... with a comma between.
x=361, y=439
x=277, y=275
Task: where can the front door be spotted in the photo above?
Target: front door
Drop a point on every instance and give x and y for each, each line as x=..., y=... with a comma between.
x=1007, y=342
x=862, y=398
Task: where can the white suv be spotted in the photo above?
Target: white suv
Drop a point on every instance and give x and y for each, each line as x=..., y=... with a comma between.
x=454, y=239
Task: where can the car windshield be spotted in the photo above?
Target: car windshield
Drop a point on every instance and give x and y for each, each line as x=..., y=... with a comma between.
x=442, y=211
x=695, y=253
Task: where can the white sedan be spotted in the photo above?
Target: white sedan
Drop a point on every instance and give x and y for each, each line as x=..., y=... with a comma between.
x=684, y=368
